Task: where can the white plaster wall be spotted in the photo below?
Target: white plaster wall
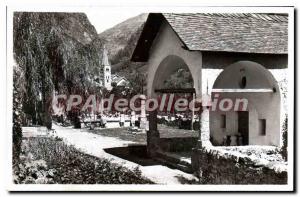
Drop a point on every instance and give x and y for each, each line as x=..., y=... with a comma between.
x=257, y=76
x=167, y=50
x=166, y=55
x=260, y=106
x=263, y=105
x=210, y=75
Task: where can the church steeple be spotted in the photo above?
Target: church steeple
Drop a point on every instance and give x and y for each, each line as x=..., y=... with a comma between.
x=107, y=69
x=105, y=61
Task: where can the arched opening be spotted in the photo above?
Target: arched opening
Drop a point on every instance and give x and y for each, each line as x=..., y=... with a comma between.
x=176, y=128
x=171, y=68
x=174, y=81
x=256, y=124
x=243, y=82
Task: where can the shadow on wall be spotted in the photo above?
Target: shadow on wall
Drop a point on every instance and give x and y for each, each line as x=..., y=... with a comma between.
x=260, y=123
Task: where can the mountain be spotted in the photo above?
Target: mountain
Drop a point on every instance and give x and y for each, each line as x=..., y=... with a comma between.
x=120, y=42
x=117, y=37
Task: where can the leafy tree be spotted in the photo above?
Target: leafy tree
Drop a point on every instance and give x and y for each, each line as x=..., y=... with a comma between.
x=17, y=114
x=285, y=139
x=182, y=78
x=52, y=59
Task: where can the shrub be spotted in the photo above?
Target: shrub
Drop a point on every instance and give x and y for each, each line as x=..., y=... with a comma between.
x=284, y=139
x=74, y=167
x=17, y=116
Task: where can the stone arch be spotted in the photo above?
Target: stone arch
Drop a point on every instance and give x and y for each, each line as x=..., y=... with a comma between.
x=166, y=67
x=251, y=81
x=161, y=68
x=257, y=76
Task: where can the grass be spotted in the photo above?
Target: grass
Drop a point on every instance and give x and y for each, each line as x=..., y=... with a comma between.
x=141, y=138
x=74, y=167
x=121, y=133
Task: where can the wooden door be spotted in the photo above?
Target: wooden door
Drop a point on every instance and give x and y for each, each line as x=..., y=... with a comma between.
x=243, y=126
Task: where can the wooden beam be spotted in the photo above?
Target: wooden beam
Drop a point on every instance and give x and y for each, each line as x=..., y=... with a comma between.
x=176, y=90
x=244, y=90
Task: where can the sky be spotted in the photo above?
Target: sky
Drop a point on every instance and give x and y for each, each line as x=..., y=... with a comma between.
x=104, y=19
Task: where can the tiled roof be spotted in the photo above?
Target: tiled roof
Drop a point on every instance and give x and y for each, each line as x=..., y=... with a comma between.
x=247, y=33
x=117, y=78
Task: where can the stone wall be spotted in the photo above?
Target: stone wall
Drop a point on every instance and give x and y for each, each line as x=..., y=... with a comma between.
x=177, y=144
x=215, y=169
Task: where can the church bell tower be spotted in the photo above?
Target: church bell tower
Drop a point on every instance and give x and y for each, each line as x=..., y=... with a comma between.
x=107, y=70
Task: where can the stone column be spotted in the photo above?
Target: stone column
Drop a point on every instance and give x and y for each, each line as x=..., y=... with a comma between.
x=152, y=134
x=199, y=144
x=143, y=123
x=204, y=117
x=101, y=106
x=193, y=113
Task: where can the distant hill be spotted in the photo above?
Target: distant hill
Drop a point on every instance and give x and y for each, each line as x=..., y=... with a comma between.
x=118, y=37
x=120, y=42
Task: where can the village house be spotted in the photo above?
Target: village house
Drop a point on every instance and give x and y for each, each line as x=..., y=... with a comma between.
x=244, y=46
x=119, y=80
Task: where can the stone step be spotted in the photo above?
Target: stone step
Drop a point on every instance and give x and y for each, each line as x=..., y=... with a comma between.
x=181, y=167
x=173, y=162
x=172, y=157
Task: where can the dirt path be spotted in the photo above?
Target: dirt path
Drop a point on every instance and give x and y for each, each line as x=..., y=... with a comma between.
x=94, y=144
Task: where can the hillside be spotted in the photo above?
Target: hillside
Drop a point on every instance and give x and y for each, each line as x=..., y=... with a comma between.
x=120, y=42
x=118, y=37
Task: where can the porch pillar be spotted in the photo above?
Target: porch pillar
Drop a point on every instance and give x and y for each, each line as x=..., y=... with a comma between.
x=143, y=123
x=199, y=101
x=193, y=113
x=152, y=134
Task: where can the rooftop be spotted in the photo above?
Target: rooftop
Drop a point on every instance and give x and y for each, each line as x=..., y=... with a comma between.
x=220, y=32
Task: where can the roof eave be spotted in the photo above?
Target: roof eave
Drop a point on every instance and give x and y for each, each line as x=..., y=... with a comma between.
x=149, y=32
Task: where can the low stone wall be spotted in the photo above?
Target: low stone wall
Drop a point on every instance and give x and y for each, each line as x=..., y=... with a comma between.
x=215, y=169
x=37, y=131
x=177, y=144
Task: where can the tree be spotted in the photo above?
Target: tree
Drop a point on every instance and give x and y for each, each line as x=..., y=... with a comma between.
x=17, y=114
x=53, y=60
x=182, y=78
x=284, y=139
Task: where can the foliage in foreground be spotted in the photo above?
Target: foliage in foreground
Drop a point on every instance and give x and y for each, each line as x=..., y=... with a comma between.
x=17, y=114
x=52, y=161
x=284, y=139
